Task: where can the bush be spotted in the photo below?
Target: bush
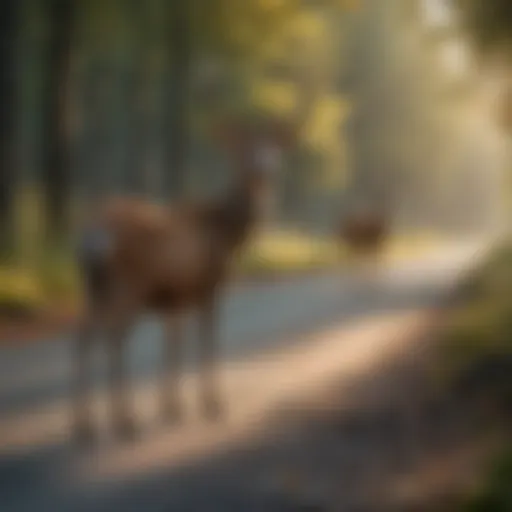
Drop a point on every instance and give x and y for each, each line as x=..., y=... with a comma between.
x=482, y=323
x=25, y=291
x=58, y=278
x=21, y=293
x=478, y=355
x=496, y=493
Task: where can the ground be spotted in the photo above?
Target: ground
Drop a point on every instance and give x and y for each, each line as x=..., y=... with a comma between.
x=315, y=373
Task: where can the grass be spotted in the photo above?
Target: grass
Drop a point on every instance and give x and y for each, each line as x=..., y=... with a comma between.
x=477, y=345
x=284, y=251
x=495, y=493
x=482, y=324
x=21, y=292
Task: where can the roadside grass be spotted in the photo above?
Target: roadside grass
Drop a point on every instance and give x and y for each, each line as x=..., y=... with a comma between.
x=477, y=356
x=495, y=492
x=481, y=324
x=281, y=252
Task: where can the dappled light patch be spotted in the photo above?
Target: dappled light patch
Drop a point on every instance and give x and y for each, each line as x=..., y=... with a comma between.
x=287, y=251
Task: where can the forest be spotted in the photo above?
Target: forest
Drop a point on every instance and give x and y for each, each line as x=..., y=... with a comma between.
x=111, y=97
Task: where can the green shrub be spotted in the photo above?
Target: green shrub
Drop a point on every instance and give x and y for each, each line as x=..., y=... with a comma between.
x=478, y=348
x=59, y=279
x=482, y=324
x=277, y=251
x=21, y=293
x=496, y=493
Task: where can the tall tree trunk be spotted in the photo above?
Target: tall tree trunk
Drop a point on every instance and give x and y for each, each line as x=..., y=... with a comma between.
x=92, y=169
x=139, y=99
x=139, y=130
x=56, y=160
x=177, y=133
x=8, y=112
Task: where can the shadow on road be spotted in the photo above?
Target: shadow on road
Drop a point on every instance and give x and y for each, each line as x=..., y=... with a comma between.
x=303, y=457
x=266, y=318
x=351, y=448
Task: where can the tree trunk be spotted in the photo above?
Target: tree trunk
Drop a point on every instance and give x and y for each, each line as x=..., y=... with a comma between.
x=8, y=112
x=177, y=133
x=139, y=131
x=56, y=149
x=139, y=100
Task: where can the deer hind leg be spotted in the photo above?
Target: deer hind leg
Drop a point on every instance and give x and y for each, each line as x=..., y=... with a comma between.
x=117, y=330
x=209, y=360
x=83, y=425
x=173, y=356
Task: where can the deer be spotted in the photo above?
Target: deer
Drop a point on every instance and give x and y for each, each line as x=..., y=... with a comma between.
x=364, y=230
x=136, y=256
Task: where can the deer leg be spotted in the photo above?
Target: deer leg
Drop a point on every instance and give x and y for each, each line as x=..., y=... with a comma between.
x=211, y=403
x=173, y=354
x=123, y=424
x=82, y=409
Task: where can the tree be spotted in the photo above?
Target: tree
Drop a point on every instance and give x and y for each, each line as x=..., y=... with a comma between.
x=56, y=130
x=489, y=22
x=140, y=94
x=242, y=33
x=177, y=141
x=8, y=113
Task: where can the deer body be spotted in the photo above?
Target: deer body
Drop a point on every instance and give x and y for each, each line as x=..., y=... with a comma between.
x=168, y=257
x=136, y=256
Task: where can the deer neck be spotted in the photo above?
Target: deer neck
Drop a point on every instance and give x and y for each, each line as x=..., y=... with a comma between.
x=237, y=216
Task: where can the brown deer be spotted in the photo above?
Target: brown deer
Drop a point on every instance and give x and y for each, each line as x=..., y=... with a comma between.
x=136, y=256
x=364, y=231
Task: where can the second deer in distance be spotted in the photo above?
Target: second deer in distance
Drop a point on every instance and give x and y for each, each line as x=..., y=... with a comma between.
x=136, y=256
x=365, y=232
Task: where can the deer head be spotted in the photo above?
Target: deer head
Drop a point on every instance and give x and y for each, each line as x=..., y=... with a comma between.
x=257, y=153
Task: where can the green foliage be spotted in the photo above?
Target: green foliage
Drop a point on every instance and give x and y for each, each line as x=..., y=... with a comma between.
x=482, y=324
x=478, y=343
x=282, y=252
x=58, y=277
x=26, y=292
x=489, y=22
x=249, y=27
x=20, y=292
x=496, y=493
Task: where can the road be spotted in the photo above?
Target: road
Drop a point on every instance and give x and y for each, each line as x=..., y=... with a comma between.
x=35, y=380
